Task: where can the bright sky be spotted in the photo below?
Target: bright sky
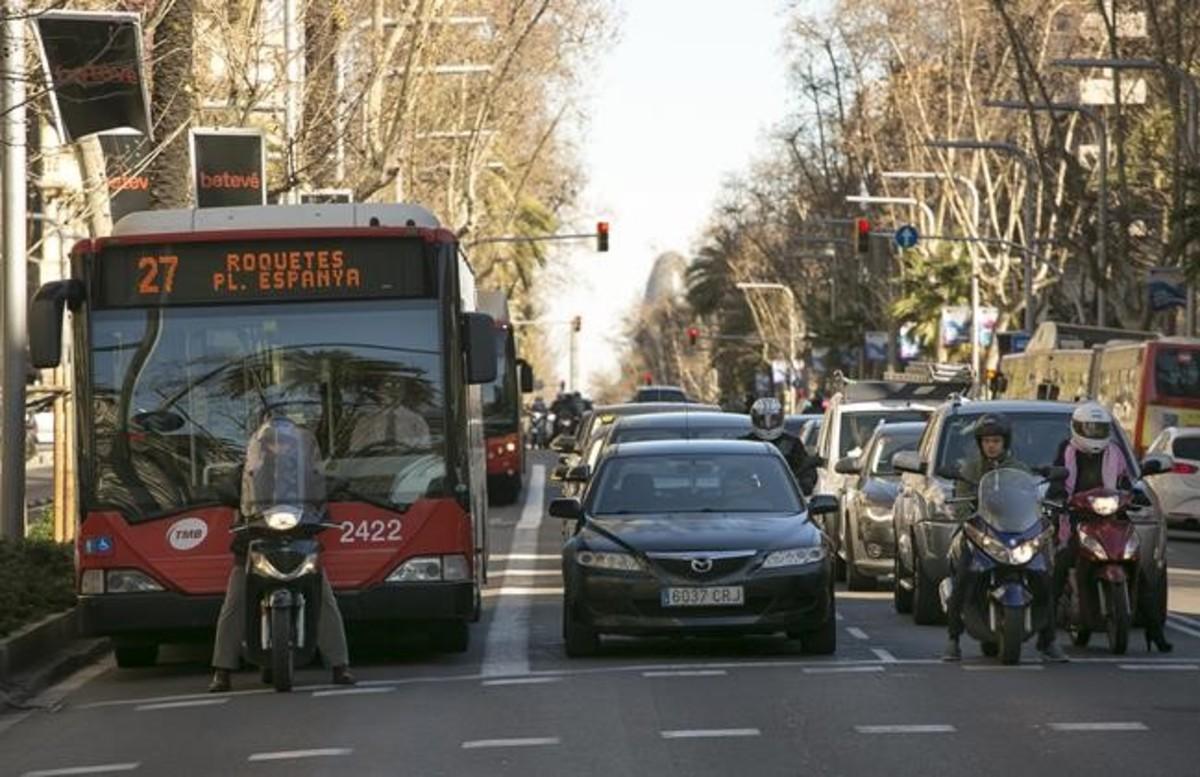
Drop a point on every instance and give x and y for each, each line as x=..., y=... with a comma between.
x=686, y=97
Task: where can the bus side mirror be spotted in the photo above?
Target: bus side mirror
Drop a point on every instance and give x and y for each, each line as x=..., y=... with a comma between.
x=525, y=374
x=46, y=321
x=481, y=347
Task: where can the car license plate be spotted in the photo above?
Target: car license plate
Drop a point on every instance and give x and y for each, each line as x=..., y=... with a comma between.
x=710, y=596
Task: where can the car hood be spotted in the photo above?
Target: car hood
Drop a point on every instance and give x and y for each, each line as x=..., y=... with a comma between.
x=701, y=531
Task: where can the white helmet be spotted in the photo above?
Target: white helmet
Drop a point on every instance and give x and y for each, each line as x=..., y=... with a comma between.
x=766, y=418
x=1091, y=427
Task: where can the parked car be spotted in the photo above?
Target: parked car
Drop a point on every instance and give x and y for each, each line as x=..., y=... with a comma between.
x=695, y=536
x=1179, y=491
x=660, y=394
x=925, y=524
x=871, y=489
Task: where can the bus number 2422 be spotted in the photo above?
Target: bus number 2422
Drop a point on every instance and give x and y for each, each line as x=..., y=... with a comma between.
x=371, y=531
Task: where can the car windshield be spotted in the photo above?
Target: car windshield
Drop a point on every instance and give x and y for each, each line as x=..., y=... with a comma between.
x=882, y=466
x=1008, y=500
x=501, y=397
x=857, y=427
x=178, y=392
x=1186, y=448
x=661, y=395
x=1036, y=441
x=695, y=483
x=1177, y=372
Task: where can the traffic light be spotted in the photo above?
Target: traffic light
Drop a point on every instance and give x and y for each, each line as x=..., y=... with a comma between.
x=648, y=379
x=602, y=236
x=862, y=230
x=693, y=335
x=577, y=323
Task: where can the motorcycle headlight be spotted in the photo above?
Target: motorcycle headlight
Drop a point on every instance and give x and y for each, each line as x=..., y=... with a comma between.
x=552, y=416
x=614, y=562
x=282, y=518
x=1132, y=545
x=1018, y=555
x=1104, y=505
x=129, y=581
x=262, y=565
x=1093, y=546
x=1024, y=553
x=794, y=557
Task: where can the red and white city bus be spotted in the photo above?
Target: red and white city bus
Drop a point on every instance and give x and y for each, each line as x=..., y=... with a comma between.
x=1149, y=386
x=358, y=322
x=503, y=430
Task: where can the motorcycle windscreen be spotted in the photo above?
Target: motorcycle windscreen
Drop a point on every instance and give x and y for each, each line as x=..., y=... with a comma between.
x=1009, y=500
x=283, y=470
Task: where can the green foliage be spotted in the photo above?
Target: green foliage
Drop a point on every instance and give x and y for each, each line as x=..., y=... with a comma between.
x=37, y=578
x=929, y=283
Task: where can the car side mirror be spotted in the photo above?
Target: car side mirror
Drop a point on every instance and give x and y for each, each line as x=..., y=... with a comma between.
x=908, y=461
x=564, y=443
x=480, y=330
x=822, y=504
x=848, y=466
x=46, y=320
x=578, y=474
x=159, y=421
x=1157, y=464
x=569, y=509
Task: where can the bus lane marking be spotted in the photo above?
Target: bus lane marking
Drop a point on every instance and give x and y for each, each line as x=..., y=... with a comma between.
x=482, y=744
x=1114, y=726
x=98, y=769
x=520, y=681
x=710, y=733
x=287, y=755
x=918, y=728
x=506, y=651
x=177, y=705
x=353, y=691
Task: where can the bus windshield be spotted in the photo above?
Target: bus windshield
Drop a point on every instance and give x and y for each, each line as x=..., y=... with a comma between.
x=501, y=398
x=1177, y=372
x=177, y=393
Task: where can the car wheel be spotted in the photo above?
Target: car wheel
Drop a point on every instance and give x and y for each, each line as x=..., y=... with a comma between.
x=579, y=641
x=902, y=598
x=135, y=656
x=823, y=640
x=855, y=580
x=927, y=610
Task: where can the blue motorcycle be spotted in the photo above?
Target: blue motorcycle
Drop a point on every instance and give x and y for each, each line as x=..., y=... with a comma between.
x=1009, y=552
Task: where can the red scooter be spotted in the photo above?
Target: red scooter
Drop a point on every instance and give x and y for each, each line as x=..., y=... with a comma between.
x=1105, y=577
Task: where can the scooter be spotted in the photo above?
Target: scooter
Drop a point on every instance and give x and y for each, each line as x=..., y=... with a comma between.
x=1103, y=583
x=1008, y=552
x=540, y=428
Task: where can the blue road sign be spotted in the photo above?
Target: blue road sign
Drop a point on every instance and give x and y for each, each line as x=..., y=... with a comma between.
x=906, y=236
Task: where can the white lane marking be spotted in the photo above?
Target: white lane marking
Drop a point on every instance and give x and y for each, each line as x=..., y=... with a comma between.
x=518, y=591
x=1185, y=572
x=920, y=728
x=1002, y=668
x=99, y=769
x=288, y=755
x=841, y=669
x=884, y=656
x=1117, y=726
x=710, y=733
x=1160, y=667
x=177, y=705
x=856, y=632
x=687, y=673
x=1189, y=620
x=506, y=651
x=521, y=681
x=528, y=573
x=481, y=744
x=839, y=616
x=526, y=556
x=353, y=691
x=1172, y=623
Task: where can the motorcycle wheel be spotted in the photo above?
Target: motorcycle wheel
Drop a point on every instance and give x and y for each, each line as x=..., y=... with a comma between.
x=927, y=608
x=281, y=649
x=901, y=596
x=1012, y=635
x=1119, y=618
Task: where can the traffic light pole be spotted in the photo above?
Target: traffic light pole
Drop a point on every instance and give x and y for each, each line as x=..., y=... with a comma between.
x=573, y=365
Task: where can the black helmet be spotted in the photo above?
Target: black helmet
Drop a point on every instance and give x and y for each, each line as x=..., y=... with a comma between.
x=994, y=425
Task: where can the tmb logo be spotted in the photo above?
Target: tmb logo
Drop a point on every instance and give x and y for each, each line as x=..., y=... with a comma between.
x=187, y=533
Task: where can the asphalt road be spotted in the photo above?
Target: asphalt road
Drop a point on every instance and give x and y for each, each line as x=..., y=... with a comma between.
x=514, y=705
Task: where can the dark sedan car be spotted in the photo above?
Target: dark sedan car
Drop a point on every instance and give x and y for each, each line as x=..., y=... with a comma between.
x=872, y=484
x=679, y=426
x=695, y=536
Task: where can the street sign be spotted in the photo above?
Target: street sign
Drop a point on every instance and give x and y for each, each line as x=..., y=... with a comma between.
x=906, y=236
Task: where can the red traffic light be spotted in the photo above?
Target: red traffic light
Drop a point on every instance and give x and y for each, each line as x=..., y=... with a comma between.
x=693, y=335
x=648, y=379
x=602, y=236
x=862, y=230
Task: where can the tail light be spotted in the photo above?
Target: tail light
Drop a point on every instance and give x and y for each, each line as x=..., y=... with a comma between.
x=1183, y=468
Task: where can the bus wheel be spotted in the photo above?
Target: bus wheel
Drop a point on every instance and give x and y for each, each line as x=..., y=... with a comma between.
x=133, y=656
x=452, y=637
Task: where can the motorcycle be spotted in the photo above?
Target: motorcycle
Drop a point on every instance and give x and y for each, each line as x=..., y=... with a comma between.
x=564, y=424
x=1008, y=552
x=540, y=428
x=1103, y=584
x=283, y=509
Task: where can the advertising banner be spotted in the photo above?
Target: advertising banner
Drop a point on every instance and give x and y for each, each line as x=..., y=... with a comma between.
x=876, y=344
x=93, y=62
x=228, y=167
x=910, y=346
x=956, y=326
x=987, y=326
x=1167, y=288
x=128, y=183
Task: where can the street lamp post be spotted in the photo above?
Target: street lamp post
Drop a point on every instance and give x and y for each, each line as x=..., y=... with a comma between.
x=1031, y=175
x=970, y=185
x=1192, y=131
x=791, y=392
x=1101, y=130
x=865, y=199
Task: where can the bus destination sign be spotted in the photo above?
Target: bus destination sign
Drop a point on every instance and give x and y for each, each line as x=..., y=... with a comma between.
x=278, y=270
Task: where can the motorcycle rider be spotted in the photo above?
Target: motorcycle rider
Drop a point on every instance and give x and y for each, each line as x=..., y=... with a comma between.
x=1094, y=459
x=766, y=420
x=276, y=437
x=993, y=439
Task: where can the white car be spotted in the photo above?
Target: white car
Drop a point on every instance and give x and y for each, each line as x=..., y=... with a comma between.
x=1179, y=491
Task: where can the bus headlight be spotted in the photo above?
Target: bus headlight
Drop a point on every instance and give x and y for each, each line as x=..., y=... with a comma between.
x=129, y=581
x=426, y=569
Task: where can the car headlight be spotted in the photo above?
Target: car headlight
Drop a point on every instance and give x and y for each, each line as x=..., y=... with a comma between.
x=1132, y=545
x=1104, y=505
x=879, y=513
x=615, y=562
x=129, y=581
x=282, y=518
x=794, y=557
x=1093, y=546
x=262, y=565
